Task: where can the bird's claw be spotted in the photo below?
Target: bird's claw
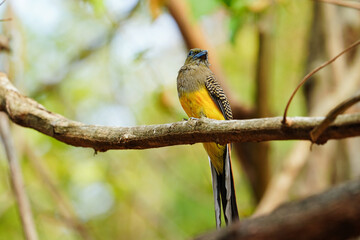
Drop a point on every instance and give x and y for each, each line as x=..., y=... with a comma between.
x=193, y=118
x=190, y=118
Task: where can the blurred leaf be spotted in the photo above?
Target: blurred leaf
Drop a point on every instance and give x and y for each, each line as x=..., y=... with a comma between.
x=235, y=5
x=155, y=7
x=234, y=25
x=201, y=8
x=259, y=5
x=140, y=55
x=250, y=5
x=98, y=6
x=243, y=11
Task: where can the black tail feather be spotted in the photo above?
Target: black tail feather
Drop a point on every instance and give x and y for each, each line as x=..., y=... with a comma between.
x=216, y=192
x=223, y=187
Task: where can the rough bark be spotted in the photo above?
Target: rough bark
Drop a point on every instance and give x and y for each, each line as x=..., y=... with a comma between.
x=28, y=113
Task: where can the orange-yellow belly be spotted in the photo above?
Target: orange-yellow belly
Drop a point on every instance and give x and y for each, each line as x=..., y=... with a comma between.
x=200, y=104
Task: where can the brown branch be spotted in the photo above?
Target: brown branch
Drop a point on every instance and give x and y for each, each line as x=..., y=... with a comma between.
x=28, y=113
x=5, y=19
x=309, y=75
x=331, y=116
x=4, y=44
x=333, y=215
x=17, y=181
x=343, y=3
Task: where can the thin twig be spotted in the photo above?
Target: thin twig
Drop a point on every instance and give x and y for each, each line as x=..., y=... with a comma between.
x=355, y=44
x=5, y=19
x=4, y=44
x=331, y=116
x=343, y=3
x=17, y=181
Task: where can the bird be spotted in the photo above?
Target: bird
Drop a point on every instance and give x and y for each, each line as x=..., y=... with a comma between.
x=201, y=96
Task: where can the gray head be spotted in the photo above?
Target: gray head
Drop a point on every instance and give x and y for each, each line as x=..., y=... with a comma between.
x=197, y=56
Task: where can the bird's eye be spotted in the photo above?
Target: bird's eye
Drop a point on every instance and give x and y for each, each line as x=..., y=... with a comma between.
x=190, y=53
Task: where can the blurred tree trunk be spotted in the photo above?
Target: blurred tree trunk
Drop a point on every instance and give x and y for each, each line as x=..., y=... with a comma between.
x=254, y=157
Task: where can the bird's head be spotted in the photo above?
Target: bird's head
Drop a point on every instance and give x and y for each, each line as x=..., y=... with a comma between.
x=197, y=56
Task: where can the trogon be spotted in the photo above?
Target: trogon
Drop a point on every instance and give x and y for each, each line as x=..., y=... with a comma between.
x=201, y=96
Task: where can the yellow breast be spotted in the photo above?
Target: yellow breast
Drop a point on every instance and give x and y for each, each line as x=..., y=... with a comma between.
x=200, y=104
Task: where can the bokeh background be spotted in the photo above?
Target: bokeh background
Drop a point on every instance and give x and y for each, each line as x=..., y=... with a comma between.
x=115, y=62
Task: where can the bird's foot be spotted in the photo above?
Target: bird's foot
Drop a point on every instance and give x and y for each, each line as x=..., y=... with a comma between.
x=193, y=118
x=190, y=118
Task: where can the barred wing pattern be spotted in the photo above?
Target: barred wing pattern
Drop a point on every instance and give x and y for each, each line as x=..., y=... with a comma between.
x=219, y=97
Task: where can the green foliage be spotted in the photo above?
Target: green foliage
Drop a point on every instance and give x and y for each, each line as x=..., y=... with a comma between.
x=240, y=14
x=203, y=7
x=97, y=5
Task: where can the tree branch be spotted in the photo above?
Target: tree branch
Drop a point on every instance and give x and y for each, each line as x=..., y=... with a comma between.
x=28, y=113
x=332, y=115
x=333, y=215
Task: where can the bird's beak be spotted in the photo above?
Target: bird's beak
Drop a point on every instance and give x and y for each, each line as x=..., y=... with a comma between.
x=202, y=54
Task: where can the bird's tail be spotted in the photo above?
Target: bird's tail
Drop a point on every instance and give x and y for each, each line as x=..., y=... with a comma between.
x=224, y=191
